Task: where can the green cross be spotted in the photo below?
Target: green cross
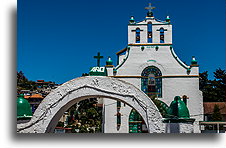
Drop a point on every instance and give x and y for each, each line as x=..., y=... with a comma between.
x=98, y=57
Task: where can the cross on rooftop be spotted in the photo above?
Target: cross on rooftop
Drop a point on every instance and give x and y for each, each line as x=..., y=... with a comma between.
x=98, y=57
x=149, y=8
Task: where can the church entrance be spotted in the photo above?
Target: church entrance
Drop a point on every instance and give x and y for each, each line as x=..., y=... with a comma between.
x=58, y=101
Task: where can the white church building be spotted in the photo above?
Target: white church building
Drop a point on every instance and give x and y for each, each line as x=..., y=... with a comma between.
x=150, y=89
x=150, y=64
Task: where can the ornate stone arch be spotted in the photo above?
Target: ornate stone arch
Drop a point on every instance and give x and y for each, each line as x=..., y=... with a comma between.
x=58, y=101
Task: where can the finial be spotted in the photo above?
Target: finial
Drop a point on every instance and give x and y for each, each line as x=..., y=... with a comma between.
x=167, y=18
x=132, y=21
x=194, y=62
x=149, y=8
x=109, y=61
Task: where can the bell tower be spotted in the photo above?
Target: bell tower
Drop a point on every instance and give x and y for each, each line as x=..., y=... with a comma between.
x=150, y=30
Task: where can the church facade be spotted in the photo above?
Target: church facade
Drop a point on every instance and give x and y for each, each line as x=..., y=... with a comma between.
x=150, y=64
x=150, y=89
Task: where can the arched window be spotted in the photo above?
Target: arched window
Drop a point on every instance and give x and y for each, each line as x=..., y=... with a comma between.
x=151, y=81
x=138, y=35
x=162, y=35
x=149, y=32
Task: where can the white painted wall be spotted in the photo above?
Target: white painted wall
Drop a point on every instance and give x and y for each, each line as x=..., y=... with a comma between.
x=169, y=64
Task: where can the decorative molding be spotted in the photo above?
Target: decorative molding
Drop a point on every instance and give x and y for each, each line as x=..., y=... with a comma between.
x=121, y=51
x=109, y=66
x=147, y=24
x=177, y=59
x=118, y=66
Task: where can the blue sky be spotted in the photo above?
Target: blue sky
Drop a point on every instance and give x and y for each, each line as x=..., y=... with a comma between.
x=57, y=39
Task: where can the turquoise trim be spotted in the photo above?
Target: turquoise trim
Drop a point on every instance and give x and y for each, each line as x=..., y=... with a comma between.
x=117, y=67
x=177, y=59
x=151, y=60
x=160, y=21
x=151, y=18
x=162, y=24
x=147, y=24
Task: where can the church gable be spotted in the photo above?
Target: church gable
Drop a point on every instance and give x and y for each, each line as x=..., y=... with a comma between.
x=150, y=43
x=150, y=30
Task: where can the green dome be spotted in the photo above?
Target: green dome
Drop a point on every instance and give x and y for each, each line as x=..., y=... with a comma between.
x=23, y=108
x=109, y=61
x=178, y=109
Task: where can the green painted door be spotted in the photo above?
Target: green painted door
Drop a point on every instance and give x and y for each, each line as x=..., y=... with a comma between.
x=135, y=122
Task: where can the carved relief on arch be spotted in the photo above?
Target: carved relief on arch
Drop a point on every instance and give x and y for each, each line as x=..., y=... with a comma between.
x=59, y=100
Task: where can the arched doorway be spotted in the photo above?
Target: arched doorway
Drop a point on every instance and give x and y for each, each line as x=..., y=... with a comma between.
x=136, y=123
x=58, y=101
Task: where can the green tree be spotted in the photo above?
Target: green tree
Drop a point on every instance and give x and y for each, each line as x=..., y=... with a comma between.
x=23, y=83
x=88, y=115
x=203, y=80
x=216, y=116
x=213, y=90
x=219, y=84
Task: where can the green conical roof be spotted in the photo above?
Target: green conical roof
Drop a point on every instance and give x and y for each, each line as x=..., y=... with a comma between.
x=178, y=109
x=23, y=108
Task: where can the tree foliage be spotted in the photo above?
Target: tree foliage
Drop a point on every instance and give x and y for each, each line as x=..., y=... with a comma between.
x=89, y=116
x=23, y=83
x=216, y=116
x=213, y=90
